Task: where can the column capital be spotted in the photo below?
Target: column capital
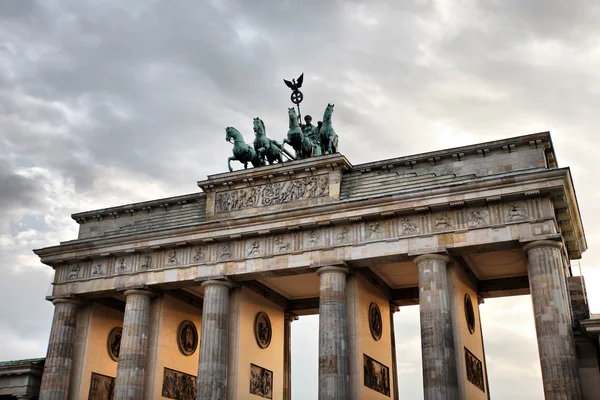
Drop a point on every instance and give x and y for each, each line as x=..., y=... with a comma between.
x=542, y=243
x=214, y=282
x=332, y=268
x=430, y=257
x=290, y=317
x=143, y=292
x=67, y=300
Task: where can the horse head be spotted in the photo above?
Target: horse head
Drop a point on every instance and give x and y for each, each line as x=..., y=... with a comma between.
x=259, y=127
x=293, y=117
x=232, y=133
x=328, y=112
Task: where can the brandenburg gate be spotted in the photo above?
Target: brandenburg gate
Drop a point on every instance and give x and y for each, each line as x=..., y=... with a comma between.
x=193, y=296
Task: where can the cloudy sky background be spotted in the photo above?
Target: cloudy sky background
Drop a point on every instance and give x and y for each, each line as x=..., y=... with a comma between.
x=111, y=102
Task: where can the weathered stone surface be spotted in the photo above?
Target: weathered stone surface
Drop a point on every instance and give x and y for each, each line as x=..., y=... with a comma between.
x=134, y=346
x=440, y=381
x=333, y=335
x=560, y=374
x=57, y=370
x=287, y=355
x=212, y=365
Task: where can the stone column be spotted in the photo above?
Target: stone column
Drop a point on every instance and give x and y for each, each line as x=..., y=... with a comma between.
x=212, y=365
x=57, y=369
x=334, y=378
x=440, y=381
x=287, y=355
x=131, y=368
x=393, y=309
x=560, y=374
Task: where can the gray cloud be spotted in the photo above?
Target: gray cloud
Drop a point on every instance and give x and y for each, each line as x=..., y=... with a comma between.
x=113, y=102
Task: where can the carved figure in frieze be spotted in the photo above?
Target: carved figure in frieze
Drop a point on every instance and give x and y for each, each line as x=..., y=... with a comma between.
x=121, y=265
x=313, y=238
x=98, y=270
x=226, y=250
x=374, y=232
x=254, y=248
x=477, y=217
x=272, y=194
x=443, y=221
x=342, y=237
x=199, y=256
x=146, y=262
x=408, y=226
x=516, y=213
x=74, y=272
x=172, y=257
x=281, y=244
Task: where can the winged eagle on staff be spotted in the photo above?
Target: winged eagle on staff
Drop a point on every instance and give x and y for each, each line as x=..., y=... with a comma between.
x=295, y=84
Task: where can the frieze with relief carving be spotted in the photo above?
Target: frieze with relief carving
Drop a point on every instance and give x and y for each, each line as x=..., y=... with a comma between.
x=272, y=194
x=315, y=238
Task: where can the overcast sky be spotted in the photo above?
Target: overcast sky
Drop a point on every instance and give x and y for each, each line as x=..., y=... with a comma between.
x=110, y=102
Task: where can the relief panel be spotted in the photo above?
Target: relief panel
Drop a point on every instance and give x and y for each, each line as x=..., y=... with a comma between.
x=178, y=385
x=272, y=194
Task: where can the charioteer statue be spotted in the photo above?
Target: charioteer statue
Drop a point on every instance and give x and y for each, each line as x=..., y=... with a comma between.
x=306, y=139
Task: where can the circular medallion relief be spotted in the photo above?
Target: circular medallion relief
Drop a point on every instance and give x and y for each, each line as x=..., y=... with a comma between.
x=375, y=323
x=262, y=330
x=113, y=344
x=187, y=338
x=469, y=314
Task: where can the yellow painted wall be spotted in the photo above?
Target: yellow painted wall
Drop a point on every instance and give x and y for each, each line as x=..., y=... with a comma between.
x=249, y=352
x=95, y=355
x=459, y=285
x=172, y=313
x=380, y=350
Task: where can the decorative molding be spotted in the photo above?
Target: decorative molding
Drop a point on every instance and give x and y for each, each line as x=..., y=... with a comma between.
x=296, y=240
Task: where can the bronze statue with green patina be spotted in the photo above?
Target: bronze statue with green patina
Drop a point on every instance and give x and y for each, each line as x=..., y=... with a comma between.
x=296, y=138
x=242, y=152
x=329, y=139
x=268, y=149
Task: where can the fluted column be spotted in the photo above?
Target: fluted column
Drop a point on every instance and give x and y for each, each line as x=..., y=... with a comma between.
x=560, y=374
x=393, y=309
x=129, y=384
x=287, y=355
x=334, y=378
x=212, y=365
x=57, y=368
x=440, y=381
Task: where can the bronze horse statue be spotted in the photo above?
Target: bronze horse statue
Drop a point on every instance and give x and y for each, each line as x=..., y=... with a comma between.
x=302, y=145
x=242, y=152
x=329, y=139
x=265, y=147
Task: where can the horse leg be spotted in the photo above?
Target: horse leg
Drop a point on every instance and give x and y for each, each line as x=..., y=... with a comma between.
x=229, y=163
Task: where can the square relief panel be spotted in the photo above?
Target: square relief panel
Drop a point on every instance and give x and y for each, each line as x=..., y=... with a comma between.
x=199, y=254
x=174, y=257
x=443, y=221
x=254, y=248
x=147, y=261
x=283, y=244
x=123, y=264
x=344, y=234
x=75, y=271
x=99, y=268
x=312, y=238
